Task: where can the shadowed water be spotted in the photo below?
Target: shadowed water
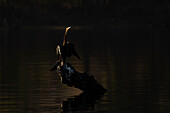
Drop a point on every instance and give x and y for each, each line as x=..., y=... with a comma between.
x=133, y=64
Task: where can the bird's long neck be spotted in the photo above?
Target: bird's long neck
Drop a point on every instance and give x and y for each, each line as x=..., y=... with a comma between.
x=64, y=41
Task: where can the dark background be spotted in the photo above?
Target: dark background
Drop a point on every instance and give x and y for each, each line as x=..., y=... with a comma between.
x=82, y=12
x=125, y=44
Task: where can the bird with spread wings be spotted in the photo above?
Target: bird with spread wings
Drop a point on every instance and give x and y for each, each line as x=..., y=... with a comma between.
x=65, y=51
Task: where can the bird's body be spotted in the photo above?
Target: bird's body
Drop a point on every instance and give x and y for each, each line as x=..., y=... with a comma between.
x=65, y=51
x=68, y=50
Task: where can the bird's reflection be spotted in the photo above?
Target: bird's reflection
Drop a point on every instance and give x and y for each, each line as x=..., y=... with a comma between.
x=83, y=102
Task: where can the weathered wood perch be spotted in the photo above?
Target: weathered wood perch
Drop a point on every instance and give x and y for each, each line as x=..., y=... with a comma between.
x=73, y=78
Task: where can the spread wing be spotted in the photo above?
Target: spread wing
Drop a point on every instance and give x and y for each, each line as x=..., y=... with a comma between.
x=73, y=50
x=68, y=50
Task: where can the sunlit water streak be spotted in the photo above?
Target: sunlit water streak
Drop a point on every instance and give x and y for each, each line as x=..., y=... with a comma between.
x=133, y=64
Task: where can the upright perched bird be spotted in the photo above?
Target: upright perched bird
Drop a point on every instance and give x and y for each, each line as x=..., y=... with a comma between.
x=65, y=51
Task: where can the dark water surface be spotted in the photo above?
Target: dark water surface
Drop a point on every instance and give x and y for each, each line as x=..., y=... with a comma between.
x=132, y=63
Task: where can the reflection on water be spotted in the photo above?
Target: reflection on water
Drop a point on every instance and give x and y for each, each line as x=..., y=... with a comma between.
x=133, y=64
x=83, y=102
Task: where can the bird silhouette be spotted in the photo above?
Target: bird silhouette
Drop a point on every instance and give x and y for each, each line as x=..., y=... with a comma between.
x=65, y=51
